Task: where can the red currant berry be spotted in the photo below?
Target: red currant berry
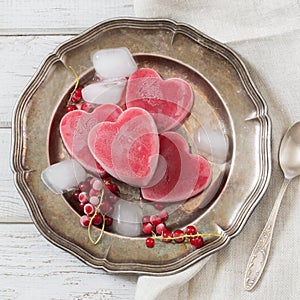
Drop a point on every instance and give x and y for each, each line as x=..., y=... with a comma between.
x=160, y=228
x=94, y=200
x=197, y=241
x=97, y=220
x=76, y=97
x=113, y=199
x=112, y=187
x=97, y=185
x=106, y=207
x=166, y=234
x=84, y=221
x=87, y=107
x=106, y=180
x=178, y=234
x=108, y=221
x=146, y=219
x=71, y=108
x=190, y=230
x=147, y=228
x=155, y=220
x=150, y=242
x=76, y=195
x=83, y=197
x=101, y=171
x=159, y=206
x=105, y=175
x=78, y=91
x=163, y=215
x=84, y=186
x=92, y=180
x=89, y=209
x=81, y=206
x=93, y=193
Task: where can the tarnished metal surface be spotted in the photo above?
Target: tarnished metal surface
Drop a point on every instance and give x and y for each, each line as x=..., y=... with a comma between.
x=225, y=100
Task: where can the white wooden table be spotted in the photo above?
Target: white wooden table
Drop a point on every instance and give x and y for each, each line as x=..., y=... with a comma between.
x=31, y=267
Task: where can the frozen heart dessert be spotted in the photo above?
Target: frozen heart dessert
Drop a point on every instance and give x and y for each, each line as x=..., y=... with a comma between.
x=185, y=174
x=75, y=127
x=168, y=101
x=127, y=148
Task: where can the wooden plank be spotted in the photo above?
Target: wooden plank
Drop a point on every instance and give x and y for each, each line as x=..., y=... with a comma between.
x=30, y=264
x=20, y=57
x=12, y=206
x=57, y=17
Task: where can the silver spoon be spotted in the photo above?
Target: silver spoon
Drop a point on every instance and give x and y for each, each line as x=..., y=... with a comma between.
x=289, y=159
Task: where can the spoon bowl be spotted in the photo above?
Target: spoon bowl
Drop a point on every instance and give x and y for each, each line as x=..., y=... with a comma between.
x=289, y=159
x=289, y=154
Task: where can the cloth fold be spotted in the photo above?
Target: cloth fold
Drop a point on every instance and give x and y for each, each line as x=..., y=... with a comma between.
x=152, y=287
x=266, y=35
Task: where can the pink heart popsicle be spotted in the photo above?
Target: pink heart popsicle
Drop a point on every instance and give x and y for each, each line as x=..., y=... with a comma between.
x=185, y=174
x=127, y=148
x=75, y=127
x=168, y=101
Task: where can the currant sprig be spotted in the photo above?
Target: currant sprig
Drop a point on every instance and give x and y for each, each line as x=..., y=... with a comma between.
x=167, y=236
x=96, y=204
x=194, y=239
x=95, y=242
x=75, y=100
x=155, y=225
x=183, y=236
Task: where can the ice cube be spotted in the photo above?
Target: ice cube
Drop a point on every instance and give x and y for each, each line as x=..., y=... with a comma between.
x=114, y=63
x=213, y=143
x=127, y=218
x=106, y=91
x=63, y=176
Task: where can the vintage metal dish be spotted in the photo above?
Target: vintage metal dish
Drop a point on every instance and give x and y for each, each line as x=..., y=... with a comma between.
x=225, y=100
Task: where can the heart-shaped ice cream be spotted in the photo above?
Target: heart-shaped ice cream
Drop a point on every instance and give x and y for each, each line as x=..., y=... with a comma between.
x=168, y=101
x=185, y=174
x=75, y=127
x=127, y=148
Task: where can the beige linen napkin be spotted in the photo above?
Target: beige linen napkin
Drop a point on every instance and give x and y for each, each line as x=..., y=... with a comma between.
x=266, y=34
x=169, y=286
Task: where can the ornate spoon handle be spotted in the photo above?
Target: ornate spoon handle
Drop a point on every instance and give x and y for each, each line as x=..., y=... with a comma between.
x=260, y=252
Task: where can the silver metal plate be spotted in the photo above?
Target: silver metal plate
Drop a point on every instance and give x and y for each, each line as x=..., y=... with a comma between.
x=226, y=100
